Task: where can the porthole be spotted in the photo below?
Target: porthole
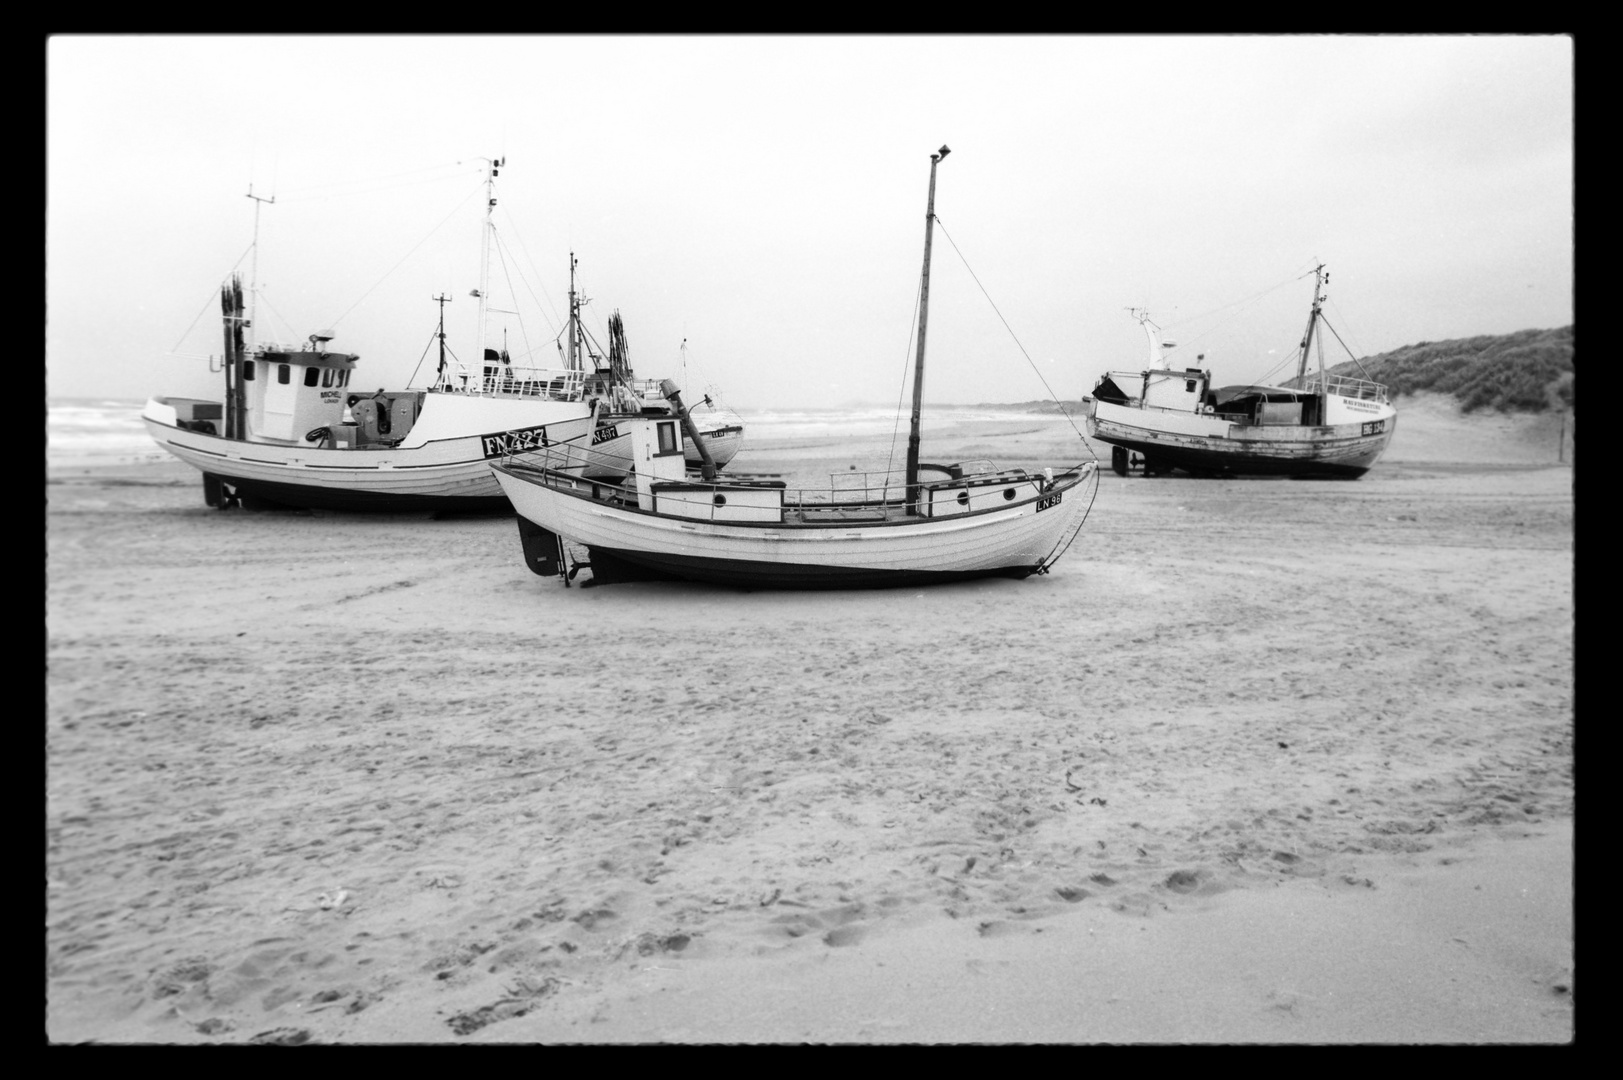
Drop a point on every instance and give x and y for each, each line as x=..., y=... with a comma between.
x=963, y=498
x=719, y=499
x=1008, y=494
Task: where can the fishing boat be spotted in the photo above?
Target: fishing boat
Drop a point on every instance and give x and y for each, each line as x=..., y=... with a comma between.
x=937, y=523
x=292, y=429
x=1315, y=425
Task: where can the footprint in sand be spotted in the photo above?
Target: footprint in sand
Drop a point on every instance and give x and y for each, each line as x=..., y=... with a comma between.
x=844, y=935
x=999, y=928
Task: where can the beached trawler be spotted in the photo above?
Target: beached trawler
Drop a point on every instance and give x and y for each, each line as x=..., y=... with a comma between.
x=292, y=431
x=939, y=523
x=1314, y=425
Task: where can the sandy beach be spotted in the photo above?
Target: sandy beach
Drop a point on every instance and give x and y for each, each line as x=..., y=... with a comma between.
x=1259, y=761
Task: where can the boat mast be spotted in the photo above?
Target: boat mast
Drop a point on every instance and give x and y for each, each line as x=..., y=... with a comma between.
x=484, y=250
x=574, y=318
x=918, y=366
x=442, y=300
x=253, y=283
x=1320, y=277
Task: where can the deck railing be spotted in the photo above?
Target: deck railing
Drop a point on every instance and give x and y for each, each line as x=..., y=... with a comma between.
x=1363, y=389
x=568, y=461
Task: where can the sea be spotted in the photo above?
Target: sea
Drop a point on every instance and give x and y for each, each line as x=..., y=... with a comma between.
x=84, y=432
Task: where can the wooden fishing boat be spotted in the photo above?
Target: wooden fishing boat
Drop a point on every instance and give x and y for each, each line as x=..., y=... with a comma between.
x=292, y=431
x=1167, y=417
x=938, y=523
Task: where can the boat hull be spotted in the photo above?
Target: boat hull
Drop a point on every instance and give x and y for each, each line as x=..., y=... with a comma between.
x=449, y=474
x=610, y=565
x=627, y=543
x=1198, y=445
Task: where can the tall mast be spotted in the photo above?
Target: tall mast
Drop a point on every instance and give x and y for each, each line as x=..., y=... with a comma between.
x=484, y=248
x=574, y=318
x=442, y=300
x=253, y=284
x=1320, y=277
x=918, y=366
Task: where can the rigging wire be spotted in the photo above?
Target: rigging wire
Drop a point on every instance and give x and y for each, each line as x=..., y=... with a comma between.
x=214, y=298
x=292, y=333
x=298, y=194
x=536, y=270
x=506, y=273
x=896, y=426
x=404, y=257
x=1010, y=329
x=1343, y=344
x=1237, y=304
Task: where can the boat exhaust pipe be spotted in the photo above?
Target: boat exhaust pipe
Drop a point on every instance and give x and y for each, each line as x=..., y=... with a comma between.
x=691, y=430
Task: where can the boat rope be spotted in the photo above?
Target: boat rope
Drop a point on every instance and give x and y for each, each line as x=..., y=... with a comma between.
x=407, y=255
x=292, y=333
x=375, y=184
x=901, y=394
x=1052, y=396
x=557, y=320
x=1343, y=344
x=432, y=338
x=1239, y=305
x=212, y=301
x=1065, y=542
x=523, y=331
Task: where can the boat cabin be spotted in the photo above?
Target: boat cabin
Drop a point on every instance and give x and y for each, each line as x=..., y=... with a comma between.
x=296, y=396
x=287, y=392
x=659, y=470
x=1156, y=388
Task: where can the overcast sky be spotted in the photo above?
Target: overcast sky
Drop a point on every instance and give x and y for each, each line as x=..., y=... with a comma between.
x=763, y=198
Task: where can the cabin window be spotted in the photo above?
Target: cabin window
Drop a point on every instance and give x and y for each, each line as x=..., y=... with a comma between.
x=667, y=438
x=312, y=376
x=326, y=377
x=283, y=374
x=248, y=371
x=343, y=378
x=1189, y=385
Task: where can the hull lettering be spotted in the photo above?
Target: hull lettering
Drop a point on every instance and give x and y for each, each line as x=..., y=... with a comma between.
x=516, y=441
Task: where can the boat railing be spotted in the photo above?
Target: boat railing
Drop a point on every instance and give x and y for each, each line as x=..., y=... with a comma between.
x=1347, y=387
x=564, y=384
x=575, y=462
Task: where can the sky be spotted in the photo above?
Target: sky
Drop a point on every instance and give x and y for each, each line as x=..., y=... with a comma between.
x=754, y=206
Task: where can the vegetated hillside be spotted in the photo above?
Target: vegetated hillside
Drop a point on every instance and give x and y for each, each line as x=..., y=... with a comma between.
x=1528, y=371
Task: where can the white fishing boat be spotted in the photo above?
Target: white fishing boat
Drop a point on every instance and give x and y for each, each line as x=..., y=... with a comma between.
x=937, y=523
x=292, y=431
x=1169, y=417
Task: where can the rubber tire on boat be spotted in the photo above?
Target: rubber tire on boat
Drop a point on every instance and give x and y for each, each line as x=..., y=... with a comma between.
x=1118, y=460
